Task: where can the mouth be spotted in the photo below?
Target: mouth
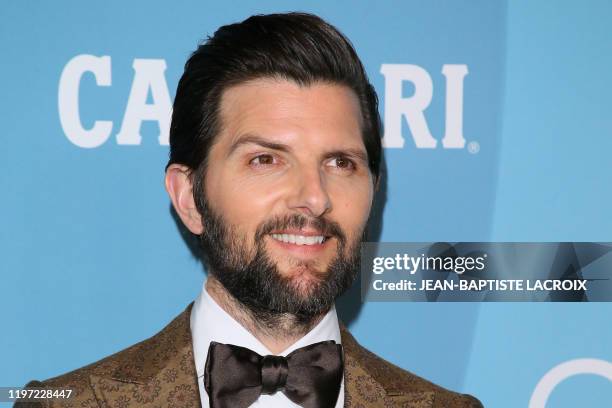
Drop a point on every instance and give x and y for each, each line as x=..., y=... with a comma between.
x=298, y=239
x=304, y=244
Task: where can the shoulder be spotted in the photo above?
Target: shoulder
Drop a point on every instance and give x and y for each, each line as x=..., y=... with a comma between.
x=137, y=363
x=397, y=381
x=79, y=380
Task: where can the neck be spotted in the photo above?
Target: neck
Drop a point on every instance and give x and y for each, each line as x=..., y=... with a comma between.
x=276, y=331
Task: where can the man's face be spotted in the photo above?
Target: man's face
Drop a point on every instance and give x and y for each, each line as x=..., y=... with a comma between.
x=288, y=187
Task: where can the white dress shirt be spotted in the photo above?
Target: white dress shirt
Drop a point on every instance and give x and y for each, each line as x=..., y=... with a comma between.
x=209, y=322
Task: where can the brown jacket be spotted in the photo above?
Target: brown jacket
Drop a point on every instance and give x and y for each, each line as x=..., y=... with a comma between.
x=160, y=372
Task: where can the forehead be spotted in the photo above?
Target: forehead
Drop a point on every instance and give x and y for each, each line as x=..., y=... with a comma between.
x=320, y=113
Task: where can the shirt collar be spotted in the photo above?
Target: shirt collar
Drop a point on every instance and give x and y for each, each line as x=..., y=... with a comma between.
x=209, y=322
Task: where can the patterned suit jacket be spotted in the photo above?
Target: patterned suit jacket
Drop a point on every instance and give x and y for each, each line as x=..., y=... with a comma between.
x=160, y=372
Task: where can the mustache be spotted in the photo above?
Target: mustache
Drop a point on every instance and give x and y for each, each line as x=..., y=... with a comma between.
x=323, y=226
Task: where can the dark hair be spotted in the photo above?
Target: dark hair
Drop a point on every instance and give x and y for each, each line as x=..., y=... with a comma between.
x=295, y=46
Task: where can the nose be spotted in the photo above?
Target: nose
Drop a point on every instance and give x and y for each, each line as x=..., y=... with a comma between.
x=309, y=193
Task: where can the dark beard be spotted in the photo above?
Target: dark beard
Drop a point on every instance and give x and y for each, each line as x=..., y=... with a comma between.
x=254, y=280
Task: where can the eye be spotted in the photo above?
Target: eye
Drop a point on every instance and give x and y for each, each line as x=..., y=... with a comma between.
x=341, y=163
x=263, y=160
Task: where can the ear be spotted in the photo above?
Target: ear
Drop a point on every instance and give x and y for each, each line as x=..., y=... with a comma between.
x=180, y=190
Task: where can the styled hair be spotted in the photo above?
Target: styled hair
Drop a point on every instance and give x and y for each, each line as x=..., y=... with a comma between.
x=299, y=47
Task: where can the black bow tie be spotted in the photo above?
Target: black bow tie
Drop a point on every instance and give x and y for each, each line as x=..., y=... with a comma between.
x=310, y=376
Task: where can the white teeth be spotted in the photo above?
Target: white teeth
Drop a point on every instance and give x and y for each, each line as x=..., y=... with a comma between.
x=299, y=239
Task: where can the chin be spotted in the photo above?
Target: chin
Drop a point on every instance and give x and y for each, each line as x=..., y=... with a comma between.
x=304, y=279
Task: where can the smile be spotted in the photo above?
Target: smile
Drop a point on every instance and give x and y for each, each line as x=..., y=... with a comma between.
x=299, y=239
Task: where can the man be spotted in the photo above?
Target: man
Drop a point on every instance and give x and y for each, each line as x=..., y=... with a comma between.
x=274, y=160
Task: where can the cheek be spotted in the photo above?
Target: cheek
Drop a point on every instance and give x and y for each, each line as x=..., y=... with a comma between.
x=245, y=202
x=353, y=206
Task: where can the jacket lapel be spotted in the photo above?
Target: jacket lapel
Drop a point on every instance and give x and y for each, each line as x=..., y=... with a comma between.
x=157, y=372
x=366, y=385
x=360, y=389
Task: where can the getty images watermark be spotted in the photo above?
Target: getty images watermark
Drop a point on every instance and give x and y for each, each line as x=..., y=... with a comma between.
x=472, y=271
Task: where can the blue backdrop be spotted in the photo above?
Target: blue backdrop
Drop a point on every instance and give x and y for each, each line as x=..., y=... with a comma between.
x=498, y=128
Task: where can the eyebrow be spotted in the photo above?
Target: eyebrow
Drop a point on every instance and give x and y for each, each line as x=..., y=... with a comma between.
x=258, y=140
x=358, y=154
